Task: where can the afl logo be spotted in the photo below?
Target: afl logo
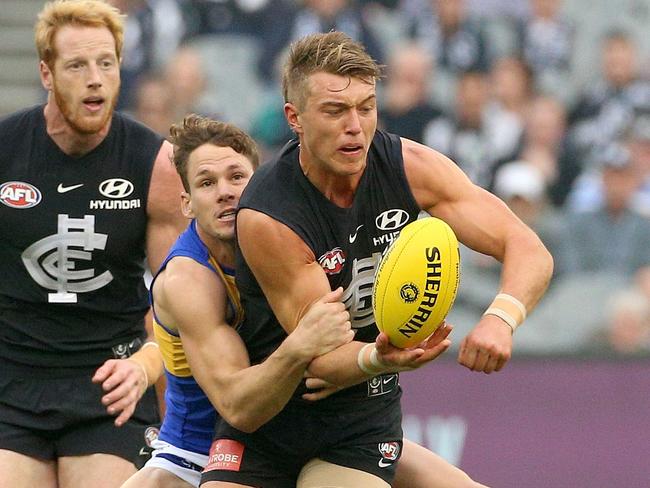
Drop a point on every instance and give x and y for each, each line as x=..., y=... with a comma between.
x=17, y=194
x=392, y=219
x=389, y=450
x=332, y=261
x=409, y=292
x=151, y=435
x=116, y=188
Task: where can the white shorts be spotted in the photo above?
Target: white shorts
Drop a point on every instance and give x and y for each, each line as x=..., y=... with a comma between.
x=187, y=465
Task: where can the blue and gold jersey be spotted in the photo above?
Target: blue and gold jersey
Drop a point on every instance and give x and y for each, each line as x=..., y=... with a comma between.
x=190, y=417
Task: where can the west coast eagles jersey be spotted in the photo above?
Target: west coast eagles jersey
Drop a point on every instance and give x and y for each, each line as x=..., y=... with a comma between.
x=190, y=417
x=72, y=242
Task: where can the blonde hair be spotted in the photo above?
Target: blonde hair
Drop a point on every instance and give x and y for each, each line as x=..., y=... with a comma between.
x=86, y=13
x=334, y=53
x=196, y=130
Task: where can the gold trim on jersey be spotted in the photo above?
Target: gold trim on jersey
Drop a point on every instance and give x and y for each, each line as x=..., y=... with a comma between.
x=233, y=294
x=170, y=344
x=172, y=351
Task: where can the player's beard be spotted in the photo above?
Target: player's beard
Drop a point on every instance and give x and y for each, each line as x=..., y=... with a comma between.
x=71, y=111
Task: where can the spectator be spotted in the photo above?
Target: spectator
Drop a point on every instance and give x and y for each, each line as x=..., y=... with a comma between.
x=546, y=42
x=544, y=144
x=511, y=87
x=153, y=31
x=464, y=136
x=607, y=109
x=588, y=192
x=186, y=78
x=287, y=22
x=269, y=127
x=225, y=17
x=523, y=187
x=611, y=235
x=455, y=41
x=407, y=107
x=154, y=104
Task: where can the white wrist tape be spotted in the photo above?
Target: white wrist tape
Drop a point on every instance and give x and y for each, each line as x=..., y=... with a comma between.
x=508, y=309
x=363, y=363
x=375, y=361
x=150, y=343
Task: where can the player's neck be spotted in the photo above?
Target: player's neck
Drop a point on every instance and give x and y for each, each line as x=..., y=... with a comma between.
x=337, y=188
x=222, y=250
x=69, y=140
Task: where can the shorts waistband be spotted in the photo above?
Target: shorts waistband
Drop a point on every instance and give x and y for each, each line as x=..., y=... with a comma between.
x=179, y=461
x=22, y=369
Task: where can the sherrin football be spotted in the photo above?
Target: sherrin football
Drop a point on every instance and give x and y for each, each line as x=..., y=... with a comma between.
x=416, y=282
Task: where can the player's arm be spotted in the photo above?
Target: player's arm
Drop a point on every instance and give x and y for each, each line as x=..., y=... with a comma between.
x=164, y=224
x=126, y=380
x=193, y=298
x=484, y=223
x=292, y=279
x=164, y=219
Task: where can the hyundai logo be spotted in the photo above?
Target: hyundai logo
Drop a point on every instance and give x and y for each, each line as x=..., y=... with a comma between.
x=392, y=219
x=116, y=188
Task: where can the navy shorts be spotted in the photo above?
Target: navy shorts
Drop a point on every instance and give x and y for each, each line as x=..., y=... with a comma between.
x=365, y=435
x=48, y=418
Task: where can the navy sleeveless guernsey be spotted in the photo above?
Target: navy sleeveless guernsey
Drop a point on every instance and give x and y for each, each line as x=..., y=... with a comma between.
x=348, y=242
x=72, y=242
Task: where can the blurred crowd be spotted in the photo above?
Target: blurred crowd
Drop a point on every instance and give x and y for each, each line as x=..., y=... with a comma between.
x=500, y=95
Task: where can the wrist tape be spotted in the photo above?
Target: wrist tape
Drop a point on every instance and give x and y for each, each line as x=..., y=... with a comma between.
x=508, y=309
x=369, y=366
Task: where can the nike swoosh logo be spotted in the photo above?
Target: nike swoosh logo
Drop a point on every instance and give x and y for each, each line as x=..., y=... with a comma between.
x=353, y=237
x=388, y=380
x=65, y=189
x=143, y=451
x=383, y=464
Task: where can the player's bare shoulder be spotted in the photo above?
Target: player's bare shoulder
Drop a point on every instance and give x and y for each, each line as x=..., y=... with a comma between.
x=165, y=187
x=432, y=176
x=181, y=286
x=277, y=238
x=423, y=161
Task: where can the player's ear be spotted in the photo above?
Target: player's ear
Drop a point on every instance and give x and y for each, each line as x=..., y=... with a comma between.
x=46, y=75
x=292, y=116
x=186, y=205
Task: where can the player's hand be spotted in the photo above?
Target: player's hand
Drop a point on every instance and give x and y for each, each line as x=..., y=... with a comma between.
x=488, y=347
x=319, y=389
x=395, y=359
x=325, y=326
x=124, y=382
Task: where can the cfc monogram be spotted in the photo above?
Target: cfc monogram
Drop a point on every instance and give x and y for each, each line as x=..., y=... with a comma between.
x=52, y=261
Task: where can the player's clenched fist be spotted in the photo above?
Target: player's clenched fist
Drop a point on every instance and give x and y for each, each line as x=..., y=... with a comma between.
x=325, y=326
x=488, y=346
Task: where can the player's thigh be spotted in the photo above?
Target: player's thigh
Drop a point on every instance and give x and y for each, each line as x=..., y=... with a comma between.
x=420, y=468
x=21, y=471
x=156, y=478
x=321, y=474
x=96, y=470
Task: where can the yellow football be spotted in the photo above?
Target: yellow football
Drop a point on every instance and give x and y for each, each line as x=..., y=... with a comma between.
x=416, y=282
